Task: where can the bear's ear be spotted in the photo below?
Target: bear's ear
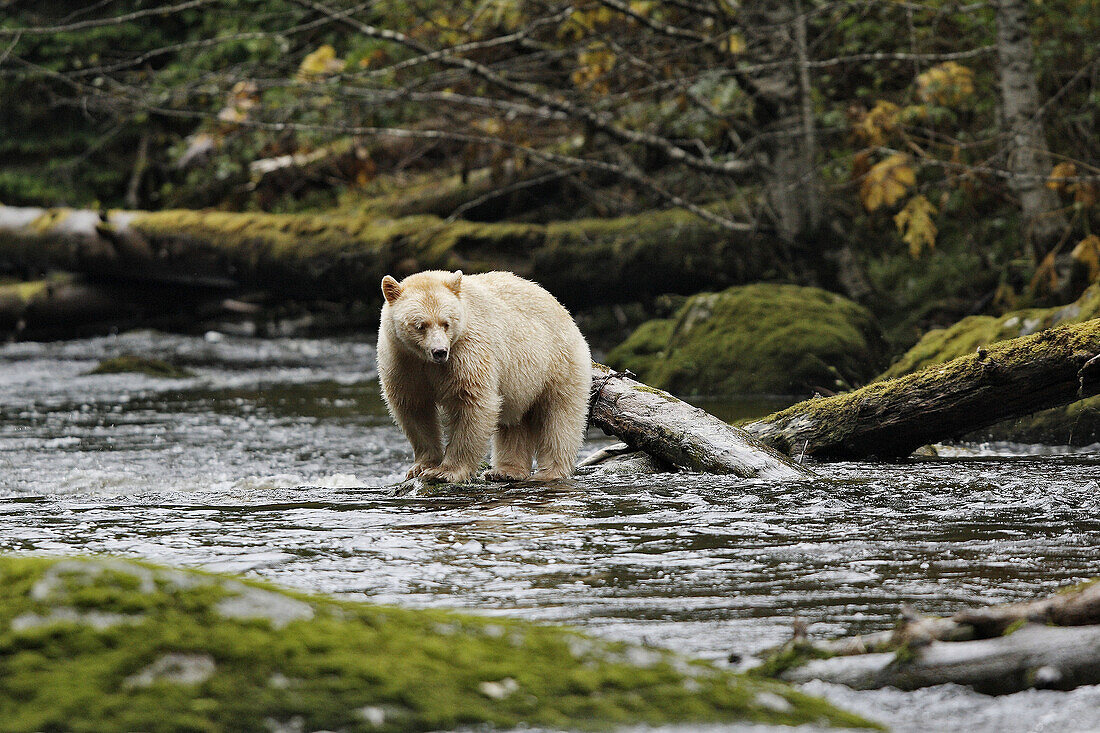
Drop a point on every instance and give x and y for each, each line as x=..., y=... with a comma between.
x=391, y=289
x=454, y=282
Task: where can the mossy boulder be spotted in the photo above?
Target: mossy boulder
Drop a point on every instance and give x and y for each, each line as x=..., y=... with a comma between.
x=104, y=644
x=1075, y=424
x=756, y=339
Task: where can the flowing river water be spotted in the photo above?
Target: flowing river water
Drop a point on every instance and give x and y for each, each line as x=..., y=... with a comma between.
x=277, y=459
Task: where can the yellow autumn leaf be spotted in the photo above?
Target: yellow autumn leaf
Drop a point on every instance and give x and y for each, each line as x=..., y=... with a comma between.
x=915, y=225
x=875, y=126
x=735, y=44
x=887, y=181
x=946, y=84
x=1062, y=170
x=319, y=63
x=593, y=64
x=1087, y=252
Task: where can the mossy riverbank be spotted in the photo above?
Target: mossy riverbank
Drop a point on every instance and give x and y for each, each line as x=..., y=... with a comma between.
x=103, y=644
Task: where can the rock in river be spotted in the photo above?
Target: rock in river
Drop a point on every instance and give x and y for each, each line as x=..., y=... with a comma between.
x=106, y=644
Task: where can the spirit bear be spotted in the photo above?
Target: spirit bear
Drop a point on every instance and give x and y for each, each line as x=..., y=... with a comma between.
x=492, y=355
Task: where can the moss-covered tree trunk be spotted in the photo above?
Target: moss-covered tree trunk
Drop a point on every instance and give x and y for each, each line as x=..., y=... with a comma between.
x=336, y=258
x=892, y=418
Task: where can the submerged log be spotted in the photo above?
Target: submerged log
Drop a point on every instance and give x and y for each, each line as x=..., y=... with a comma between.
x=1033, y=656
x=892, y=418
x=343, y=257
x=681, y=435
x=1052, y=642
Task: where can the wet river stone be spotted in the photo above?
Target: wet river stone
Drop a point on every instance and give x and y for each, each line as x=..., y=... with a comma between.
x=104, y=644
x=756, y=339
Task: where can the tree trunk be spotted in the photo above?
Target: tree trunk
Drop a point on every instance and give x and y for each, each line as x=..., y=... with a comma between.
x=891, y=419
x=793, y=188
x=677, y=433
x=1028, y=156
x=343, y=258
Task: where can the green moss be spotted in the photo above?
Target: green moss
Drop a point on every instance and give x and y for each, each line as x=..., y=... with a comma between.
x=644, y=349
x=659, y=392
x=141, y=365
x=762, y=339
x=944, y=344
x=1078, y=587
x=49, y=219
x=23, y=292
x=100, y=644
x=789, y=656
x=589, y=261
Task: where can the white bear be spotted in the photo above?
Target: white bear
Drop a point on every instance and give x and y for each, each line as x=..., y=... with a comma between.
x=492, y=355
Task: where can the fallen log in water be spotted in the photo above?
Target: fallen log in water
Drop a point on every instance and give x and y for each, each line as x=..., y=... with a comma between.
x=1033, y=656
x=1052, y=642
x=676, y=433
x=892, y=418
x=64, y=305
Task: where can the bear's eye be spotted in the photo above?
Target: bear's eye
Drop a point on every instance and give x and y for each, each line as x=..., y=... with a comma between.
x=420, y=327
x=446, y=325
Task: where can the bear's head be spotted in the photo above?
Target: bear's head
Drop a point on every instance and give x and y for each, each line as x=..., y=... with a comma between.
x=425, y=312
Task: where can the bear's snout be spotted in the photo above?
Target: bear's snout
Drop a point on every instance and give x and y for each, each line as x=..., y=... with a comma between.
x=439, y=355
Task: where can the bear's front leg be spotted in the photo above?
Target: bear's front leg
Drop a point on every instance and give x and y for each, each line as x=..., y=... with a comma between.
x=419, y=420
x=472, y=422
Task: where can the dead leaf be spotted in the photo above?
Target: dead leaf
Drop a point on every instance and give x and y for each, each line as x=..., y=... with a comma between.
x=1061, y=170
x=887, y=181
x=946, y=84
x=1087, y=252
x=915, y=225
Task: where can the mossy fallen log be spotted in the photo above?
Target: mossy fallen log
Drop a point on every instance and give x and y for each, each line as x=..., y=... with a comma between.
x=63, y=305
x=66, y=305
x=343, y=258
x=892, y=418
x=104, y=644
x=1075, y=424
x=1051, y=642
x=676, y=433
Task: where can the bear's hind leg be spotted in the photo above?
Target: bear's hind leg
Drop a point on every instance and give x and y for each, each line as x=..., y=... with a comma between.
x=559, y=434
x=512, y=453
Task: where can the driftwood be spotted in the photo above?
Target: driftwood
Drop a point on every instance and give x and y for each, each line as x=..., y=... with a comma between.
x=1033, y=656
x=681, y=435
x=1053, y=642
x=892, y=418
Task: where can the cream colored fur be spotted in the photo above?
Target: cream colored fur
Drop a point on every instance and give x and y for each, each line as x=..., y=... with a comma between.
x=516, y=369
